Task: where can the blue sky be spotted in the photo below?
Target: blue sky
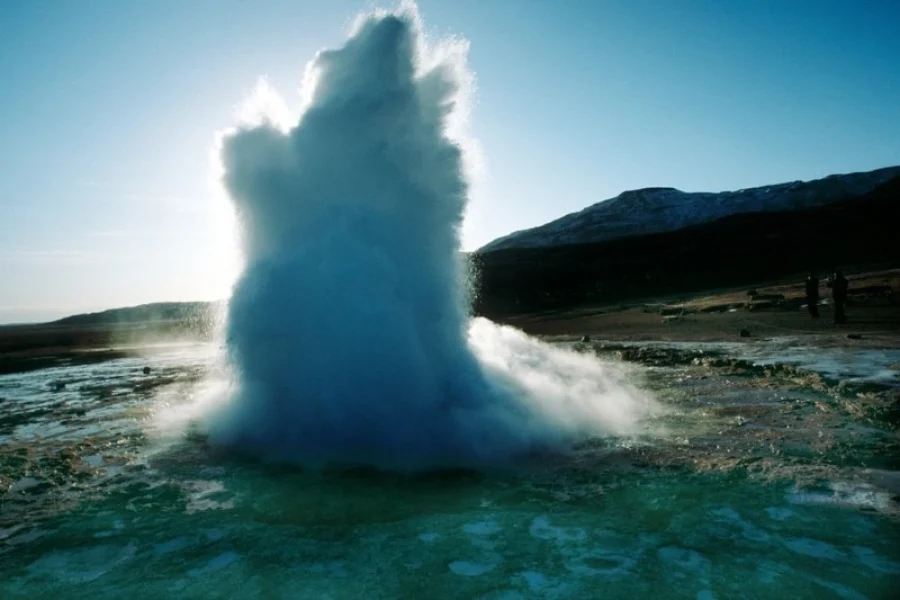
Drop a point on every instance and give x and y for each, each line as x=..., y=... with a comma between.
x=111, y=109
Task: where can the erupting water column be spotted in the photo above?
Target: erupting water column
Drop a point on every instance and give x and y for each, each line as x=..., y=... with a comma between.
x=347, y=329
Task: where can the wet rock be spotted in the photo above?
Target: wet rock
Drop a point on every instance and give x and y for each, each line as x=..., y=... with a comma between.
x=30, y=485
x=744, y=333
x=850, y=387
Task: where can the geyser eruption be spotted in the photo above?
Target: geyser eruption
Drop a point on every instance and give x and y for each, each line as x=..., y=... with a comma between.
x=348, y=328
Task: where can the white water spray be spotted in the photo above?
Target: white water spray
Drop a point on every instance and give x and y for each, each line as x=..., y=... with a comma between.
x=348, y=329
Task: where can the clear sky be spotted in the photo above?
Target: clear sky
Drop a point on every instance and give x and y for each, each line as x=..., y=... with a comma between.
x=110, y=110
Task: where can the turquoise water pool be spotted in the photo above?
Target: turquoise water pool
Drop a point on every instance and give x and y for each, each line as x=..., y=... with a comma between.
x=106, y=507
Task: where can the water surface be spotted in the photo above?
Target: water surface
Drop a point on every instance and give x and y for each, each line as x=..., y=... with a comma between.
x=753, y=491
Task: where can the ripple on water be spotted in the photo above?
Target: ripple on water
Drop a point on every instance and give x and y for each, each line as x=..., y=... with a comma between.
x=170, y=546
x=814, y=548
x=81, y=565
x=601, y=562
x=874, y=561
x=684, y=562
x=779, y=513
x=481, y=528
x=217, y=563
x=541, y=528
x=468, y=568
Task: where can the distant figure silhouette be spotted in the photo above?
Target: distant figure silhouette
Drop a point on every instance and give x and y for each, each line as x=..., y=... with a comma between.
x=812, y=295
x=839, y=295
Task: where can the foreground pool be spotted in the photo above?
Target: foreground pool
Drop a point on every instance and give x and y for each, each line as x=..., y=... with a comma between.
x=764, y=485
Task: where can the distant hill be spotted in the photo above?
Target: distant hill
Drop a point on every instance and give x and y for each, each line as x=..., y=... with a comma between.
x=199, y=313
x=30, y=346
x=658, y=210
x=736, y=250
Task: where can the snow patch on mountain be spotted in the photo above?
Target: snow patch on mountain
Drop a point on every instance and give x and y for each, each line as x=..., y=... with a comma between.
x=656, y=210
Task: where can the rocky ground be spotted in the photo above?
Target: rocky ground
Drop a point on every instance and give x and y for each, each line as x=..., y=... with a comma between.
x=873, y=318
x=776, y=422
x=757, y=387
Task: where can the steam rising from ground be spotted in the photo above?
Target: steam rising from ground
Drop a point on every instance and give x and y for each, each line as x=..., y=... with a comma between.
x=348, y=329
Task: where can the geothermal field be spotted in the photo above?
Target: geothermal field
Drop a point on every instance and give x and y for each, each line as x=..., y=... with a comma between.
x=767, y=466
x=352, y=432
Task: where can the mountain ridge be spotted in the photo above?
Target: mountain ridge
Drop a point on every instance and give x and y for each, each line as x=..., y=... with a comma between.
x=661, y=209
x=196, y=311
x=739, y=249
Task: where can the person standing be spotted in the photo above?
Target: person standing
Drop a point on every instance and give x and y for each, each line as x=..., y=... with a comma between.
x=839, y=295
x=812, y=295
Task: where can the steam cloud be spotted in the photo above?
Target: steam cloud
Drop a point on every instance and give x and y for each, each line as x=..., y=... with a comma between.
x=348, y=329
